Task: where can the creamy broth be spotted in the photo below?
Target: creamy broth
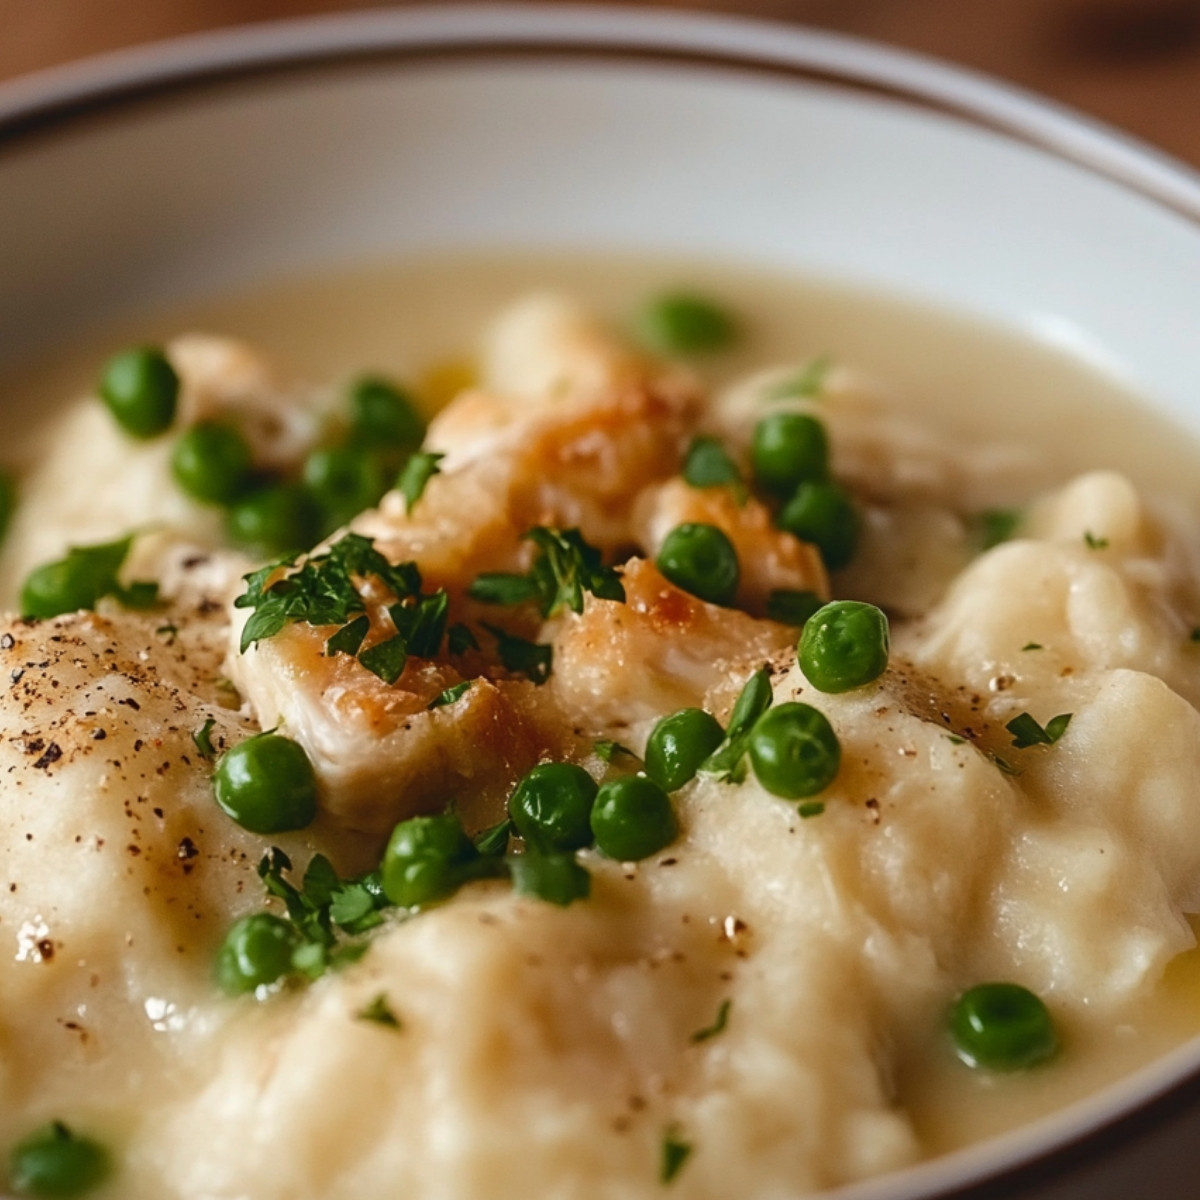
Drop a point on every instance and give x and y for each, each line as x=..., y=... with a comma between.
x=417, y=321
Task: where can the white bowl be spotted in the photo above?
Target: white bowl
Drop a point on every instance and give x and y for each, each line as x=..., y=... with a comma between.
x=170, y=173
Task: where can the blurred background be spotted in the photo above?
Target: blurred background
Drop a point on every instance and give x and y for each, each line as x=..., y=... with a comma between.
x=1132, y=63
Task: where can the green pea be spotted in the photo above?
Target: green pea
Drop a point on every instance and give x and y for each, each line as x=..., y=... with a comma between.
x=678, y=744
x=555, y=878
x=794, y=751
x=823, y=514
x=844, y=645
x=267, y=784
x=75, y=582
x=679, y=324
x=211, y=462
x=256, y=951
x=633, y=818
x=53, y=1163
x=274, y=520
x=141, y=390
x=1002, y=1027
x=552, y=807
x=384, y=416
x=789, y=449
x=701, y=560
x=344, y=480
x=426, y=859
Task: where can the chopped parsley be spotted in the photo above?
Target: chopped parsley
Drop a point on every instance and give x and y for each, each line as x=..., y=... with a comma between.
x=955, y=740
x=608, y=751
x=718, y=1025
x=203, y=739
x=451, y=694
x=324, y=591
x=418, y=471
x=493, y=841
x=726, y=761
x=1094, y=542
x=1027, y=732
x=1194, y=636
x=1032, y=646
x=80, y=580
x=675, y=1153
x=322, y=910
x=460, y=639
x=380, y=1012
x=809, y=382
x=565, y=567
x=1004, y=766
x=519, y=654
x=811, y=808
x=707, y=464
x=996, y=525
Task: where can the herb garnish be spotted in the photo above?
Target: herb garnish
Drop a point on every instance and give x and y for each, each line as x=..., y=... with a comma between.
x=809, y=382
x=380, y=1012
x=203, y=739
x=1094, y=542
x=460, y=639
x=1032, y=646
x=811, y=808
x=418, y=471
x=518, y=654
x=323, y=592
x=451, y=694
x=1027, y=732
x=997, y=525
x=607, y=751
x=718, y=1025
x=321, y=907
x=707, y=464
x=675, y=1153
x=565, y=567
x=726, y=762
x=80, y=580
x=493, y=841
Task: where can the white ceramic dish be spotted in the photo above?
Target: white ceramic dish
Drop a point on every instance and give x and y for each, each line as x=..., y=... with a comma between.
x=169, y=173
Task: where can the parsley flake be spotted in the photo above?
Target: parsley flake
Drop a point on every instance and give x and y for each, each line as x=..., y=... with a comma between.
x=417, y=473
x=718, y=1025
x=82, y=579
x=1027, y=732
x=203, y=739
x=996, y=525
x=451, y=694
x=675, y=1153
x=380, y=1012
x=493, y=841
x=565, y=567
x=811, y=808
x=809, y=382
x=324, y=591
x=1194, y=636
x=1093, y=542
x=707, y=464
x=726, y=761
x=460, y=639
x=518, y=654
x=1032, y=646
x=607, y=750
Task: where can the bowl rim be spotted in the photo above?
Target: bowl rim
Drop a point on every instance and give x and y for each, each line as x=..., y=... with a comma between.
x=61, y=97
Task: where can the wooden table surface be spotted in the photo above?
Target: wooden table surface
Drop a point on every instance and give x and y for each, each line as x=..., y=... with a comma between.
x=1133, y=63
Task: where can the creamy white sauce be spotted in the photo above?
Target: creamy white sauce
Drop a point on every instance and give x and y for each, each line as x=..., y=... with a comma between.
x=970, y=380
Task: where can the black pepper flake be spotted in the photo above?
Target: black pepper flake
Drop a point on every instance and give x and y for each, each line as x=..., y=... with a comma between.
x=98, y=735
x=52, y=755
x=129, y=702
x=15, y=676
x=137, y=745
x=187, y=848
x=7, y=642
x=45, y=948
